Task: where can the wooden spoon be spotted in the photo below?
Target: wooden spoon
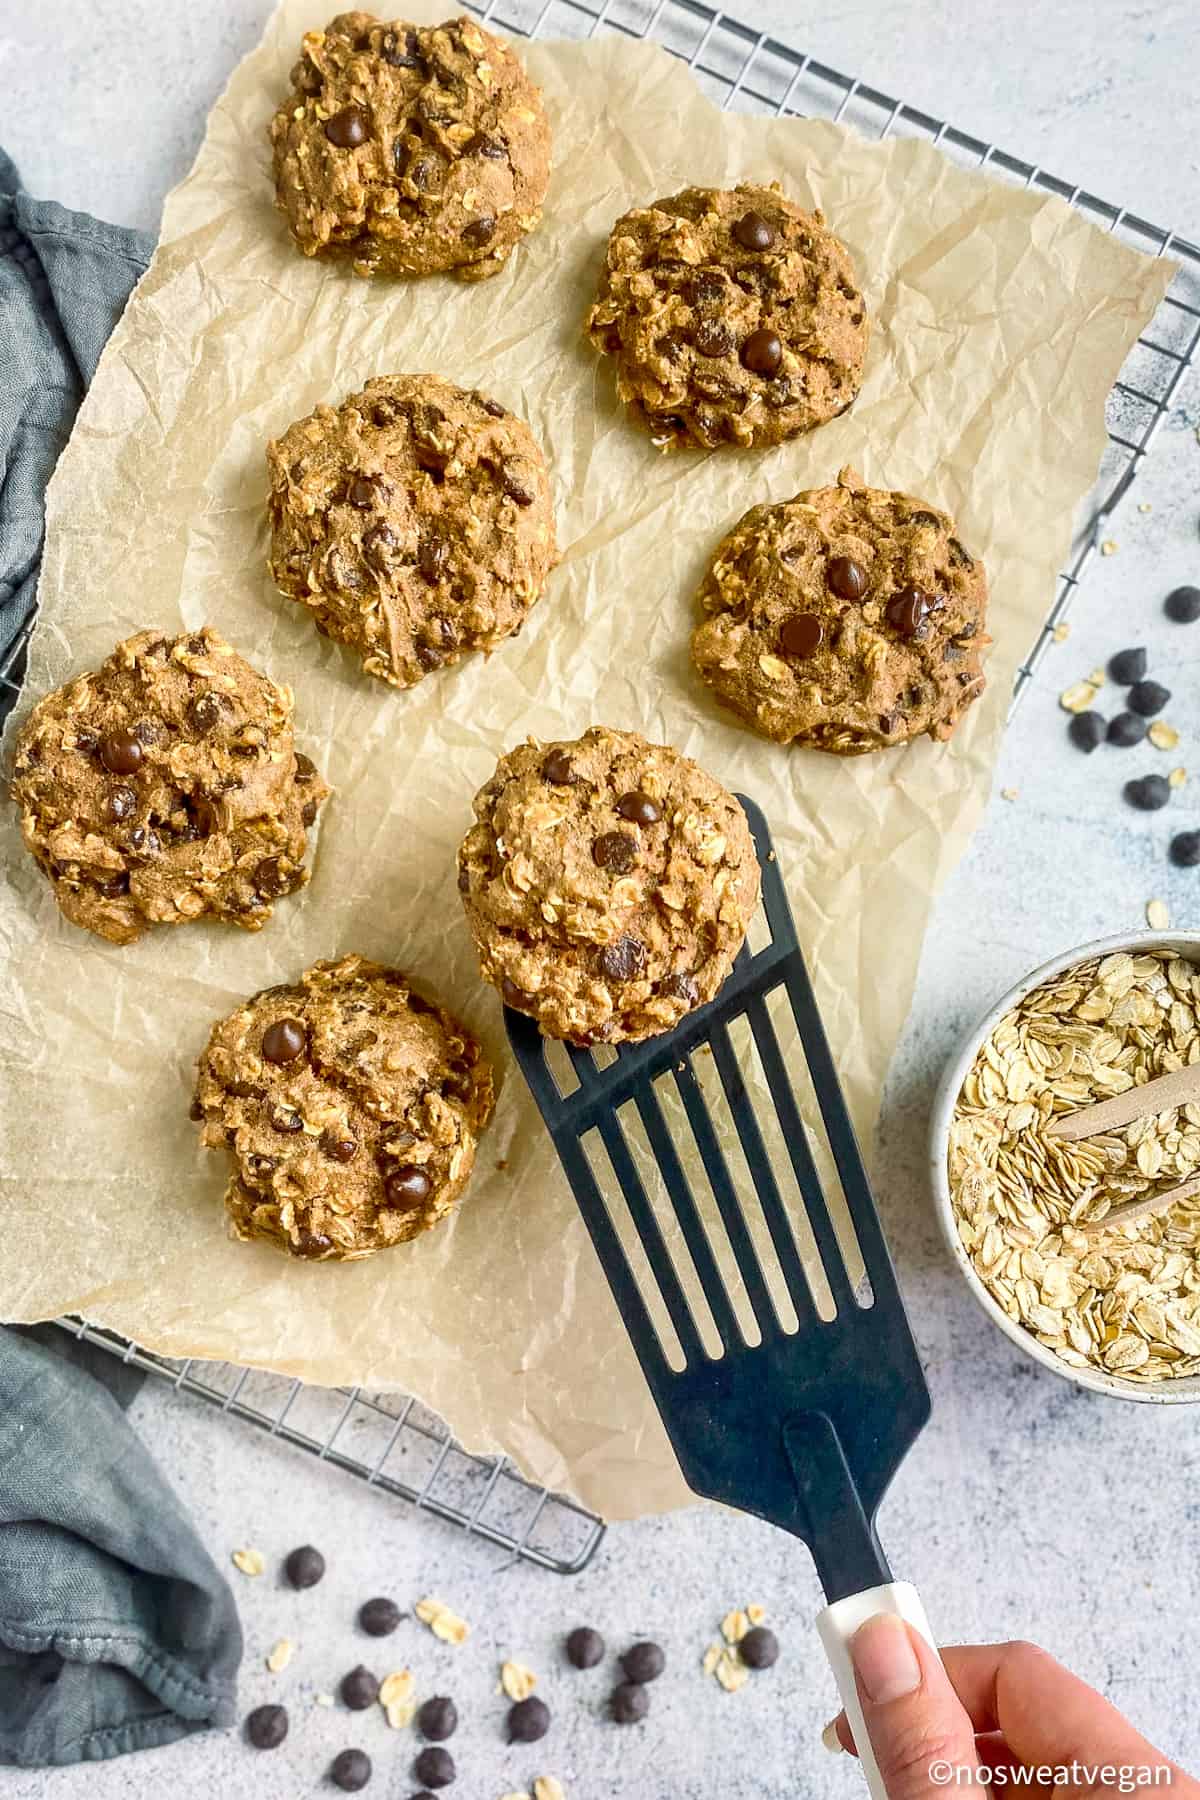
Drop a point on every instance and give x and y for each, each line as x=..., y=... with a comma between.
x=1176, y=1089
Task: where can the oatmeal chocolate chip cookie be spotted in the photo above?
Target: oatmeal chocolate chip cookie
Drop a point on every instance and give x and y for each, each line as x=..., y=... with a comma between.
x=351, y=1107
x=165, y=785
x=408, y=149
x=608, y=884
x=734, y=318
x=414, y=521
x=848, y=619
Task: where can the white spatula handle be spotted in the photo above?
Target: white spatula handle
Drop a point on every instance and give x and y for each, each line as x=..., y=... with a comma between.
x=836, y=1626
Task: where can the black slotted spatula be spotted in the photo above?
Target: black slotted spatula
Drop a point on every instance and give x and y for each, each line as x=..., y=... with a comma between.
x=807, y=1427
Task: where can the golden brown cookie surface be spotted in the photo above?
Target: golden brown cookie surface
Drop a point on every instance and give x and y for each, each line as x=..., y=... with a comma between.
x=165, y=785
x=414, y=521
x=608, y=883
x=408, y=150
x=351, y=1106
x=734, y=318
x=848, y=618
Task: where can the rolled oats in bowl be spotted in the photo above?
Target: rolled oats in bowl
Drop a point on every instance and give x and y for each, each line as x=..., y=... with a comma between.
x=1119, y=1303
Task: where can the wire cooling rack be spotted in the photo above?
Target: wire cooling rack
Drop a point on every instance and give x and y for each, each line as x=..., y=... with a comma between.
x=392, y=1442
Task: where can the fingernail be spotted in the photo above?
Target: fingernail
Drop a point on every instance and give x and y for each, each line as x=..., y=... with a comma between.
x=884, y=1659
x=830, y=1738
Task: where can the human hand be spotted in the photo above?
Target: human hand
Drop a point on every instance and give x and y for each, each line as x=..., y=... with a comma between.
x=1005, y=1708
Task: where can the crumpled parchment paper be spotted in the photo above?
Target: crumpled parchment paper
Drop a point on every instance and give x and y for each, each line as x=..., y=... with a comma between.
x=1001, y=319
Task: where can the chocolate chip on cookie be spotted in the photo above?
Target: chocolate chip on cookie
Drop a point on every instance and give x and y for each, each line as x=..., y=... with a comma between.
x=848, y=618
x=408, y=149
x=608, y=904
x=351, y=1106
x=414, y=521
x=733, y=315
x=152, y=789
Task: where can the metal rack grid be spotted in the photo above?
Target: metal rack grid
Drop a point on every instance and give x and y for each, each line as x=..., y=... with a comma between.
x=392, y=1442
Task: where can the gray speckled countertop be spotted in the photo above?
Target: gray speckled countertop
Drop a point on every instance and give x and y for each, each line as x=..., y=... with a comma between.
x=1027, y=1509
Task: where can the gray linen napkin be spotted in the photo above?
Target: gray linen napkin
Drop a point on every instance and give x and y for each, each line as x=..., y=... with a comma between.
x=117, y=1631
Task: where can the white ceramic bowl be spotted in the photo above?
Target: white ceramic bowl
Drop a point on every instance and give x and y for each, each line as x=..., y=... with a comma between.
x=1162, y=1393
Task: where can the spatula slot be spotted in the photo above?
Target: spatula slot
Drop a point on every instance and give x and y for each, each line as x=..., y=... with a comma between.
x=672, y=1223
x=561, y=1067
x=636, y=1250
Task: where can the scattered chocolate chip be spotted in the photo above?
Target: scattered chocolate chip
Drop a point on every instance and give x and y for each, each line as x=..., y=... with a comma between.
x=759, y=1649
x=121, y=803
x=1127, y=666
x=846, y=578
x=711, y=338
x=339, y=1147
x=1126, y=730
x=1086, y=730
x=753, y=232
x=557, y=769
x=121, y=752
x=379, y=1617
x=762, y=352
x=359, y=1689
x=888, y=723
x=308, y=812
x=680, y=987
x=517, y=484
x=437, y=1718
x=801, y=634
x=615, y=851
x=285, y=1120
x=630, y=1703
x=479, y=231
x=1148, y=793
x=434, y=1766
x=347, y=129
x=908, y=610
x=195, y=1112
x=623, y=960
x=267, y=1726
x=644, y=1662
x=1183, y=605
x=362, y=492
x=284, y=1041
x=304, y=1566
x=585, y=1647
x=528, y=1721
x=269, y=878
x=428, y=655
x=1185, y=849
x=1148, y=698
x=639, y=808
x=407, y=1187
x=350, y=1770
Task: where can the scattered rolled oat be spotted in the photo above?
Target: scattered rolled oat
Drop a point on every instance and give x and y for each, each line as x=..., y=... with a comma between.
x=731, y=1671
x=1080, y=697
x=1157, y=915
x=443, y=1623
x=1177, y=778
x=517, y=1681
x=1162, y=735
x=734, y=1626
x=548, y=1787
x=1009, y=793
x=1144, y=506
x=396, y=1698
x=250, y=1562
x=1061, y=632
x=1109, y=547
x=1021, y=1198
x=281, y=1655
